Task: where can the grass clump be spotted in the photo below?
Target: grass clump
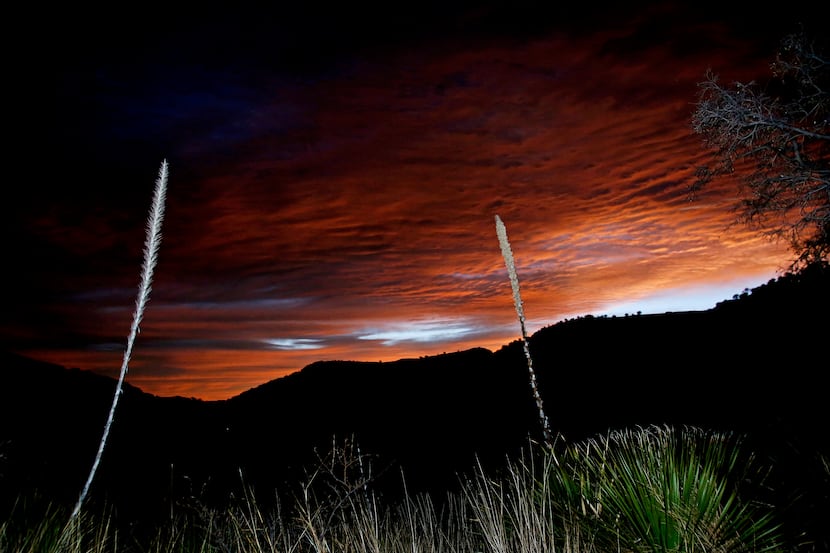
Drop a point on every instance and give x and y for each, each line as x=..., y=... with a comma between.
x=662, y=489
x=656, y=489
x=36, y=525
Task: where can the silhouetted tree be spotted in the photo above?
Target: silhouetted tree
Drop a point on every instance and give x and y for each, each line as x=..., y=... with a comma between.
x=777, y=137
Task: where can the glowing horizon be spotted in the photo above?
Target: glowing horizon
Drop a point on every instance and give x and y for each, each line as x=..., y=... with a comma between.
x=347, y=214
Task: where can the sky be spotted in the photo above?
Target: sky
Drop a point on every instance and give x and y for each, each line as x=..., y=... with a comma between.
x=335, y=174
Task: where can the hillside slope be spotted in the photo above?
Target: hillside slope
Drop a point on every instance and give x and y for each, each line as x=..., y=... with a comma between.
x=755, y=365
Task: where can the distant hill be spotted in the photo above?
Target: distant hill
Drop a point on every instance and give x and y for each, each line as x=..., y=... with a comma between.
x=756, y=364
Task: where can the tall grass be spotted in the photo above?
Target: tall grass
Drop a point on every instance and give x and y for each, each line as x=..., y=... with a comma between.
x=38, y=526
x=653, y=489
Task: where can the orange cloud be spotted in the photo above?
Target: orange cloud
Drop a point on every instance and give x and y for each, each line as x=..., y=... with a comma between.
x=364, y=229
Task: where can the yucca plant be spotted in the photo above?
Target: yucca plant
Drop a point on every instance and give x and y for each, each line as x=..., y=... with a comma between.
x=653, y=489
x=665, y=490
x=51, y=531
x=151, y=246
x=510, y=264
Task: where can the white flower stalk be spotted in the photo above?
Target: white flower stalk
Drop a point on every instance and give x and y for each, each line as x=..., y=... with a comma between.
x=151, y=247
x=507, y=254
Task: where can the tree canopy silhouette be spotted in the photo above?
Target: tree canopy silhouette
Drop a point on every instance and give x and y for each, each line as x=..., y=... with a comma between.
x=776, y=137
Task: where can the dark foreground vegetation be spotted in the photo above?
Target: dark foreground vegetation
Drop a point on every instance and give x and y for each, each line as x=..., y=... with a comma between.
x=424, y=434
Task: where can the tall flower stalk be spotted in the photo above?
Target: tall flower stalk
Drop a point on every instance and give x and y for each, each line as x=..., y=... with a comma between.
x=151, y=247
x=507, y=254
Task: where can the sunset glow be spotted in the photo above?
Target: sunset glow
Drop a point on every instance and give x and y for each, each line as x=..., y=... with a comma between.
x=350, y=214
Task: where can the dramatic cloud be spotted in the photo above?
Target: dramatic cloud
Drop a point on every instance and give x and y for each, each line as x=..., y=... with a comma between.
x=349, y=214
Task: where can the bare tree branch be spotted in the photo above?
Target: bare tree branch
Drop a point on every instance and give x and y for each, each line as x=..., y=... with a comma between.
x=776, y=138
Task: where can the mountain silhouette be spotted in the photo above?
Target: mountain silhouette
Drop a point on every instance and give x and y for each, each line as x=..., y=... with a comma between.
x=755, y=364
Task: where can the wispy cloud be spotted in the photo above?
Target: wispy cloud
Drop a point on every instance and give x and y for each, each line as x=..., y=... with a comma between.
x=295, y=343
x=442, y=331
